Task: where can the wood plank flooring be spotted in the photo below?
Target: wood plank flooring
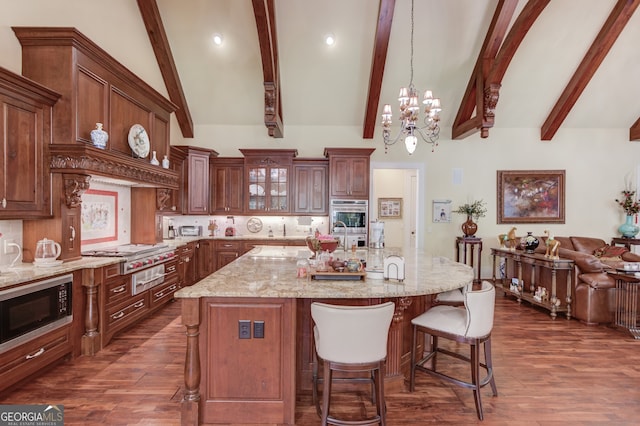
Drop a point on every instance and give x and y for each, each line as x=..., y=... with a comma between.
x=547, y=372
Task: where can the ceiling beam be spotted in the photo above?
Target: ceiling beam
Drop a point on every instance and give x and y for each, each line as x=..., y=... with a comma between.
x=634, y=131
x=266, y=25
x=160, y=43
x=465, y=122
x=381, y=44
x=615, y=23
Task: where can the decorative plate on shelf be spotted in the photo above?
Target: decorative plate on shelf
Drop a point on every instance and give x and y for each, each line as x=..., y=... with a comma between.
x=139, y=141
x=254, y=225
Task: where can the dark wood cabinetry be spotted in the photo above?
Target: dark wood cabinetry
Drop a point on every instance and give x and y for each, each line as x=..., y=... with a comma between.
x=195, y=179
x=227, y=186
x=268, y=180
x=25, y=133
x=349, y=172
x=205, y=258
x=310, y=187
x=227, y=251
x=187, y=265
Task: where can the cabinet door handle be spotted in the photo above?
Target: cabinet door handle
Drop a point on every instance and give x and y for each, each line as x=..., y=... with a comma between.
x=118, y=289
x=159, y=294
x=72, y=231
x=4, y=203
x=139, y=304
x=35, y=355
x=117, y=316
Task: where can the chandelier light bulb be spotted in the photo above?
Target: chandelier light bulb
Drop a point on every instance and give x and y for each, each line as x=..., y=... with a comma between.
x=330, y=39
x=218, y=39
x=410, y=143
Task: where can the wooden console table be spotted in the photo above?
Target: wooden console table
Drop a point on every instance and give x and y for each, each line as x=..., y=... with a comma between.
x=626, y=314
x=626, y=242
x=526, y=292
x=469, y=246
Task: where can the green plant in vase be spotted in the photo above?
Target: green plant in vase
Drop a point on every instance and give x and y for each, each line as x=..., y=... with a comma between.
x=631, y=207
x=474, y=210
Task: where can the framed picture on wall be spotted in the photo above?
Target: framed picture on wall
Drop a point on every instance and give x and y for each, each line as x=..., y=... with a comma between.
x=99, y=218
x=390, y=208
x=441, y=211
x=531, y=196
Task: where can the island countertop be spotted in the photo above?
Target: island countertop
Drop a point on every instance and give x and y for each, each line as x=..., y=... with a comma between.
x=270, y=271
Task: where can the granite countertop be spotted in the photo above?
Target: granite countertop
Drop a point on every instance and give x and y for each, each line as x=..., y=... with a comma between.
x=24, y=272
x=270, y=271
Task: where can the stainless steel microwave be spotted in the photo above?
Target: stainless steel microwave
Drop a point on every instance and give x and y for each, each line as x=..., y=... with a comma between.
x=31, y=310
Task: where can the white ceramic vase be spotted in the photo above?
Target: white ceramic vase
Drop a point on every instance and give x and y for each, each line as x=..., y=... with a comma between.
x=99, y=137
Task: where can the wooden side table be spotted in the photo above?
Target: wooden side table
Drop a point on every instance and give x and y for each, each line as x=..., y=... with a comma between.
x=469, y=246
x=627, y=242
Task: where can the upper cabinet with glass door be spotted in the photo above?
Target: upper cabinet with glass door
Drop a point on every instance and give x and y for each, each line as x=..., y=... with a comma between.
x=268, y=177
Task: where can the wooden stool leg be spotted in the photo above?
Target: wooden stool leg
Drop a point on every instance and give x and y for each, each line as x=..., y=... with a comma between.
x=475, y=377
x=489, y=362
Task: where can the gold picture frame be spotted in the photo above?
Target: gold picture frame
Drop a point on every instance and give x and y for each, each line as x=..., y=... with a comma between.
x=531, y=196
x=390, y=208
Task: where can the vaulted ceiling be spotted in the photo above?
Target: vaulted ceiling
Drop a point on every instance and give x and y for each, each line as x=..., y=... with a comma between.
x=494, y=63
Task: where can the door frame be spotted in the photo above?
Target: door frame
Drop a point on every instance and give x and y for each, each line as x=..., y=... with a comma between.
x=420, y=212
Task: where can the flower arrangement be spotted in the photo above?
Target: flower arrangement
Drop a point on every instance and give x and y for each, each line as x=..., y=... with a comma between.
x=629, y=204
x=476, y=209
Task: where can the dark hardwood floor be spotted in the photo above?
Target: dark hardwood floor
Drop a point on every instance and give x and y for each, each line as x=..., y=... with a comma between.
x=547, y=372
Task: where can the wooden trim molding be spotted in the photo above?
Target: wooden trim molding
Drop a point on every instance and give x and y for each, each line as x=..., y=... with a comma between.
x=85, y=159
x=74, y=186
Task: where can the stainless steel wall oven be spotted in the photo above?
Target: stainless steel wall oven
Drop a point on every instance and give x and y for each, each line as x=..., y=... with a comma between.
x=350, y=218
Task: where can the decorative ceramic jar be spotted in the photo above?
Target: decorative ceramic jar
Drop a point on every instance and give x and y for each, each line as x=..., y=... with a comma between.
x=530, y=243
x=154, y=159
x=354, y=265
x=628, y=229
x=165, y=162
x=469, y=228
x=99, y=137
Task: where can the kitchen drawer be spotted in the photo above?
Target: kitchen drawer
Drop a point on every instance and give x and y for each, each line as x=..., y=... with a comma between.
x=111, y=271
x=187, y=249
x=21, y=362
x=227, y=245
x=117, y=290
x=161, y=294
x=121, y=316
x=171, y=269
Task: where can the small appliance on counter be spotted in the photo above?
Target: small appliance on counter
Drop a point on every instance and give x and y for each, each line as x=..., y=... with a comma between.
x=230, y=230
x=376, y=230
x=171, y=232
x=190, y=231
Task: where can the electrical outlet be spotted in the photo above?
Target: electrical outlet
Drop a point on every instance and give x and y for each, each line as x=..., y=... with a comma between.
x=258, y=329
x=244, y=329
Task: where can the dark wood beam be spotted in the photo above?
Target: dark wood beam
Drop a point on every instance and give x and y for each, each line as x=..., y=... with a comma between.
x=162, y=49
x=634, y=131
x=617, y=20
x=472, y=101
x=381, y=44
x=266, y=25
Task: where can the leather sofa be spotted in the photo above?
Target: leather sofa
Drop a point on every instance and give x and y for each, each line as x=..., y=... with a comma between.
x=593, y=289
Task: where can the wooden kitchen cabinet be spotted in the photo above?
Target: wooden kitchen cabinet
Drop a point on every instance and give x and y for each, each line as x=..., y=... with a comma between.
x=349, y=172
x=187, y=266
x=195, y=179
x=25, y=133
x=268, y=180
x=227, y=251
x=205, y=258
x=310, y=187
x=227, y=186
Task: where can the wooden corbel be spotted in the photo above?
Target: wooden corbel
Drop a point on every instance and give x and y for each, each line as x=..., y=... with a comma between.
x=74, y=187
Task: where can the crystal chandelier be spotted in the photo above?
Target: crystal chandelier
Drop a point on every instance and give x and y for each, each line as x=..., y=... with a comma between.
x=409, y=111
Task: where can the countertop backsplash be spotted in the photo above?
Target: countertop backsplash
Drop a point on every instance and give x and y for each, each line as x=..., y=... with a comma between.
x=10, y=232
x=280, y=226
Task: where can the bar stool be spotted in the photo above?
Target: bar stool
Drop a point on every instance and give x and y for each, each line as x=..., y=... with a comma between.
x=351, y=339
x=453, y=297
x=472, y=325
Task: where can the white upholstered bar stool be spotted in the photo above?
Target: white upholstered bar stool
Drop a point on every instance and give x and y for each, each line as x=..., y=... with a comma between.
x=453, y=297
x=351, y=339
x=472, y=325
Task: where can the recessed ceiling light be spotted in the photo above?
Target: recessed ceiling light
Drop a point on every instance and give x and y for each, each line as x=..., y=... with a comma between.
x=330, y=39
x=218, y=39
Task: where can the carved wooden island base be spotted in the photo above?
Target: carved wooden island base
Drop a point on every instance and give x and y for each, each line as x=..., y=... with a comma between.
x=235, y=376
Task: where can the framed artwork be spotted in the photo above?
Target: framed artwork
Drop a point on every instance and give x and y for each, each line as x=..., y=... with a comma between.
x=441, y=211
x=99, y=218
x=390, y=208
x=531, y=196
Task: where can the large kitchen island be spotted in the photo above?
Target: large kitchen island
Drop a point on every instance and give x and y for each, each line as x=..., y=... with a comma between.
x=249, y=329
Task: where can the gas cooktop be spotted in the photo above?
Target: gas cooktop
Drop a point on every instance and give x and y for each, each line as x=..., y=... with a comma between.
x=125, y=250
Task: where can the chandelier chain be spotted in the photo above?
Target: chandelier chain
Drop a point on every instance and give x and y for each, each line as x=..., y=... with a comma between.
x=411, y=46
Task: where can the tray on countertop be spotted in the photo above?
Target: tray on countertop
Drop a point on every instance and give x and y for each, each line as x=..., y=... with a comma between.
x=338, y=276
